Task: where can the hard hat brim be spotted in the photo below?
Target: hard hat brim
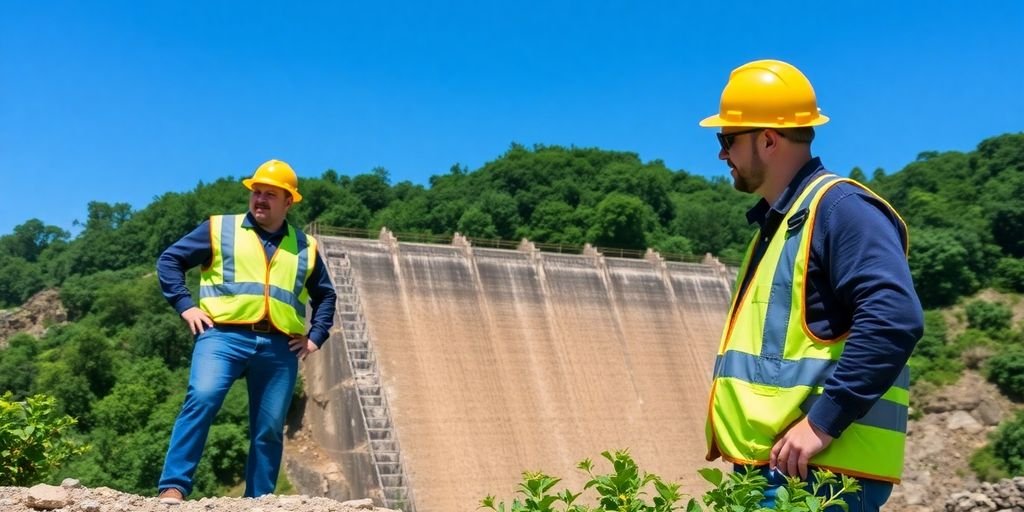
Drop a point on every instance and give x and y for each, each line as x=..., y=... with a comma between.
x=248, y=182
x=716, y=121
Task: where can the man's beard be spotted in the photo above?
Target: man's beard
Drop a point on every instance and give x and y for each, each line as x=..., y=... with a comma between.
x=753, y=177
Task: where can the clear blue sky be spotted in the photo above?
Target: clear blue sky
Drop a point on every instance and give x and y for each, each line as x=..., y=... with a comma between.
x=123, y=101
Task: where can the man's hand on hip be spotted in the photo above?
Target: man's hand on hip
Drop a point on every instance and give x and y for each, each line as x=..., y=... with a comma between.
x=801, y=442
x=198, y=321
x=302, y=346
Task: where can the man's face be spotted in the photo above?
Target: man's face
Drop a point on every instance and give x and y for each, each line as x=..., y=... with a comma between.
x=269, y=204
x=748, y=169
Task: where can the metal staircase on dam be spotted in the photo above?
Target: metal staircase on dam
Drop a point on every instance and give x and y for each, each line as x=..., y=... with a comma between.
x=385, y=453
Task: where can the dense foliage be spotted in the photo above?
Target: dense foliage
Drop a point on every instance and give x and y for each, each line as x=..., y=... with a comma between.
x=120, y=366
x=34, y=439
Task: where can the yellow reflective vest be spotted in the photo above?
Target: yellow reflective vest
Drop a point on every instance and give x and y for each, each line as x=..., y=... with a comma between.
x=771, y=368
x=240, y=286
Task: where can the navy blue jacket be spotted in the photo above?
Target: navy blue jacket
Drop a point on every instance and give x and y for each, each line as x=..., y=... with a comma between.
x=858, y=280
x=194, y=249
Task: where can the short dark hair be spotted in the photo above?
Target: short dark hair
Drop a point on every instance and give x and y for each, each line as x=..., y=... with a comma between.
x=802, y=135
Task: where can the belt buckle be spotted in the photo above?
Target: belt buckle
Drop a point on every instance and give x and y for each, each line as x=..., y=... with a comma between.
x=261, y=326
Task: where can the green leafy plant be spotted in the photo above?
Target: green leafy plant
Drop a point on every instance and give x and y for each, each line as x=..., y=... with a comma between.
x=534, y=488
x=33, y=439
x=624, y=488
x=628, y=489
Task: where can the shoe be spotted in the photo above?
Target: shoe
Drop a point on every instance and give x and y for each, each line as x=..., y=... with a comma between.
x=171, y=496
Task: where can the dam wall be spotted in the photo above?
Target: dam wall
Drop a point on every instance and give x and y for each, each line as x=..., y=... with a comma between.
x=490, y=362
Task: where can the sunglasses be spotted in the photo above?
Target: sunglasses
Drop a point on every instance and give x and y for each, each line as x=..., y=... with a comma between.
x=726, y=140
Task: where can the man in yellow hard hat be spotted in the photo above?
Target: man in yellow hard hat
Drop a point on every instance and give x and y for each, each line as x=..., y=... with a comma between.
x=258, y=275
x=811, y=369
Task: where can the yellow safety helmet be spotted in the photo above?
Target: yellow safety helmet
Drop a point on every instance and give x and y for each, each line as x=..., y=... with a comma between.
x=770, y=94
x=278, y=174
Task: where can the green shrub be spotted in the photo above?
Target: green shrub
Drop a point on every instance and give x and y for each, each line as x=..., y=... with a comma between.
x=935, y=360
x=987, y=466
x=1008, y=445
x=988, y=316
x=1009, y=275
x=33, y=439
x=1006, y=371
x=627, y=488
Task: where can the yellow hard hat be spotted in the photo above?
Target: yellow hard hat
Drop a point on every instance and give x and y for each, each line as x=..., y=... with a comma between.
x=278, y=174
x=770, y=94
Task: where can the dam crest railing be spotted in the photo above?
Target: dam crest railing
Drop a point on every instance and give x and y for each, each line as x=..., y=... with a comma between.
x=428, y=238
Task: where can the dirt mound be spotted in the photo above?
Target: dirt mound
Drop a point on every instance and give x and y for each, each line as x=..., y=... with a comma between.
x=71, y=496
x=37, y=314
x=956, y=422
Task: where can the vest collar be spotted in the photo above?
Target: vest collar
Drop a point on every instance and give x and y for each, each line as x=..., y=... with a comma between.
x=762, y=210
x=250, y=223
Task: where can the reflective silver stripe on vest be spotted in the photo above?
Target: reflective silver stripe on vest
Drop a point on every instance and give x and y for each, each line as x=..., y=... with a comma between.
x=780, y=302
x=792, y=372
x=884, y=414
x=788, y=373
x=256, y=289
x=227, y=247
x=774, y=371
x=303, y=256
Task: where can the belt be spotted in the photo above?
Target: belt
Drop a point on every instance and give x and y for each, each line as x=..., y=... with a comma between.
x=262, y=326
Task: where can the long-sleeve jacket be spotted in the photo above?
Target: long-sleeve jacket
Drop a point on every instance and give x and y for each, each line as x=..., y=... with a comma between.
x=194, y=249
x=858, y=281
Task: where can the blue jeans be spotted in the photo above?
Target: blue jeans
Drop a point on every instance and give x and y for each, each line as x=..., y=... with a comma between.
x=870, y=498
x=222, y=355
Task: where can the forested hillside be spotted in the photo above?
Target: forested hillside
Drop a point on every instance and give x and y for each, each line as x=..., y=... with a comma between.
x=120, y=364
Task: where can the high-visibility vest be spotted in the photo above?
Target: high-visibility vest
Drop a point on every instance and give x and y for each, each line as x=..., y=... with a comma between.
x=771, y=368
x=240, y=286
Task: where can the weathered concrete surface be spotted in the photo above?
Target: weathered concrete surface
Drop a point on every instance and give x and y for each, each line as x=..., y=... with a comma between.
x=497, y=361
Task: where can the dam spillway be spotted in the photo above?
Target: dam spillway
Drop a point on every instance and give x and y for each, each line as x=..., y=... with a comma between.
x=489, y=362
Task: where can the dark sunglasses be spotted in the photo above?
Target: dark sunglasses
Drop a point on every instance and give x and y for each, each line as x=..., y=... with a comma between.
x=726, y=140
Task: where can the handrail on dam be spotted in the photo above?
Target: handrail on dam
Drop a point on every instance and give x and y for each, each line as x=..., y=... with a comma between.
x=316, y=228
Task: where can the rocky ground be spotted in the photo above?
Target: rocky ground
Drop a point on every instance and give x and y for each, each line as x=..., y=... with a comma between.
x=34, y=317
x=72, y=497
x=955, y=422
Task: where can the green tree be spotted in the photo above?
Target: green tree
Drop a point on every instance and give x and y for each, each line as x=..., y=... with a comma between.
x=940, y=268
x=129, y=405
x=372, y=189
x=713, y=220
x=103, y=244
x=550, y=220
x=407, y=216
x=1009, y=275
x=19, y=280
x=18, y=365
x=503, y=211
x=347, y=211
x=1007, y=226
x=161, y=335
x=857, y=174
x=475, y=223
x=621, y=221
x=30, y=239
x=317, y=197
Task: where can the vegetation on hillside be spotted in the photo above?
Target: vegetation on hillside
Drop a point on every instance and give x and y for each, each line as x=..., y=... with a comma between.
x=120, y=366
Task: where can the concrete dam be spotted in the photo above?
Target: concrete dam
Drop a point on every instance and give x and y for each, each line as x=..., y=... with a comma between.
x=453, y=368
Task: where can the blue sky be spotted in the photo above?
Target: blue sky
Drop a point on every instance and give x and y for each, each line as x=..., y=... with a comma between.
x=123, y=101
